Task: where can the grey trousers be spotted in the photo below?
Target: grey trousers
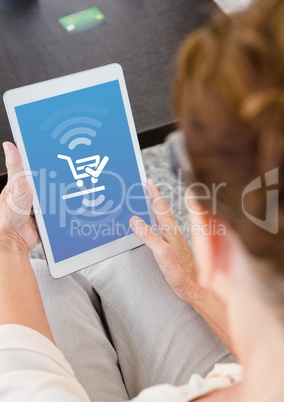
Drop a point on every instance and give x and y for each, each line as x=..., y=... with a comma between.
x=123, y=329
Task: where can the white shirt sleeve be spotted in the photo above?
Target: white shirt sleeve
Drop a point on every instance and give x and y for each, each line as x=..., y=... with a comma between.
x=222, y=376
x=32, y=369
x=232, y=6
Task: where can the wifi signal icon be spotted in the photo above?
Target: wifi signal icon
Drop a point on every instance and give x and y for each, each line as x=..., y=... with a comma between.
x=75, y=125
x=82, y=133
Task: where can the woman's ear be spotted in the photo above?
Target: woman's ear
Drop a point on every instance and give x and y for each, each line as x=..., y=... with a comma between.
x=211, y=244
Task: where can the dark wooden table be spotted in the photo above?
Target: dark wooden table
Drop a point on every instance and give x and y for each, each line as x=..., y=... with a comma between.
x=142, y=35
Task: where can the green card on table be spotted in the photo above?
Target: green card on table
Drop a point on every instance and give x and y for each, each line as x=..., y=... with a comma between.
x=82, y=20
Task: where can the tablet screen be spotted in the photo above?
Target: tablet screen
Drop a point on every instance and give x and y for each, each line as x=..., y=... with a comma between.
x=84, y=167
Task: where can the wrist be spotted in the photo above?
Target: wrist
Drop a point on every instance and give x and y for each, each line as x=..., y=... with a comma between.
x=12, y=243
x=196, y=295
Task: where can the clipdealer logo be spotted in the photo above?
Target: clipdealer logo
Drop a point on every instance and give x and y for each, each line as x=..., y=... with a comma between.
x=271, y=221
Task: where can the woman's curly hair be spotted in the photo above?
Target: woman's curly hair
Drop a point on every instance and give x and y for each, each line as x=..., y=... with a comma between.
x=229, y=96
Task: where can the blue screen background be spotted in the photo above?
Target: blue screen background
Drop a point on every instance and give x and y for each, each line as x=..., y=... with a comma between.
x=95, y=118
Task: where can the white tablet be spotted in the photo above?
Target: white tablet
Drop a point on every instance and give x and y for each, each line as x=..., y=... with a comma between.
x=80, y=153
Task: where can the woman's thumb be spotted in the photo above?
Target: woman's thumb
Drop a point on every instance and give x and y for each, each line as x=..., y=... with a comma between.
x=19, y=194
x=12, y=160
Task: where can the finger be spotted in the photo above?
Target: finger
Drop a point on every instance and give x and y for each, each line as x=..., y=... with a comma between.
x=19, y=193
x=145, y=233
x=12, y=159
x=161, y=208
x=169, y=229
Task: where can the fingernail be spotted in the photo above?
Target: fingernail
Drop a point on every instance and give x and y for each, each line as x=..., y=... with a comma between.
x=136, y=222
x=7, y=148
x=151, y=181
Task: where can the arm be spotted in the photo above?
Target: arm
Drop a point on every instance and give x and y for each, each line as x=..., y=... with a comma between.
x=213, y=311
x=232, y=394
x=20, y=300
x=176, y=261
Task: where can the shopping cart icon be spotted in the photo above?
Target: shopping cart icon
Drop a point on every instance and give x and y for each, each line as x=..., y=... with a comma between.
x=86, y=167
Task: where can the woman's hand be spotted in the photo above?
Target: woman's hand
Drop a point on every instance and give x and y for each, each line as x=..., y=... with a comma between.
x=169, y=245
x=176, y=261
x=18, y=230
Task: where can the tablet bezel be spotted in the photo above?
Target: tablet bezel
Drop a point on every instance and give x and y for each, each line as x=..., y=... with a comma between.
x=48, y=89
